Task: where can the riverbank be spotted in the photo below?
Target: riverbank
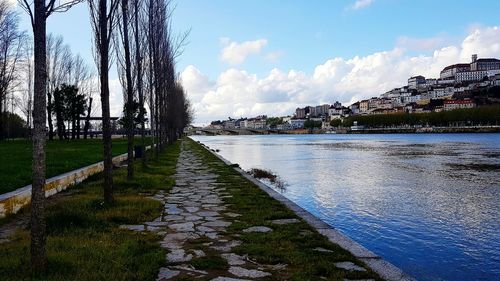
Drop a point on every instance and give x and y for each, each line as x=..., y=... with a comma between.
x=206, y=222
x=346, y=130
x=403, y=130
x=406, y=197
x=385, y=269
x=219, y=225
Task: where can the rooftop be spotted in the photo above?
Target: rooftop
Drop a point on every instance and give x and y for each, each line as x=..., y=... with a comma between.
x=488, y=60
x=456, y=66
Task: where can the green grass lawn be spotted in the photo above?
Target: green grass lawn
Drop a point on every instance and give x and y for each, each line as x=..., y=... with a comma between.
x=62, y=156
x=84, y=240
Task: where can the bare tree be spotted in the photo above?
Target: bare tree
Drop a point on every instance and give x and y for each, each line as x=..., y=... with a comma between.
x=139, y=73
x=11, y=49
x=166, y=97
x=102, y=18
x=26, y=102
x=39, y=11
x=82, y=79
x=125, y=66
x=56, y=54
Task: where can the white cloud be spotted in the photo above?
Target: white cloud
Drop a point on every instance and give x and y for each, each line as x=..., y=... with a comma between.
x=483, y=41
x=236, y=53
x=423, y=44
x=274, y=56
x=237, y=93
x=115, y=99
x=360, y=4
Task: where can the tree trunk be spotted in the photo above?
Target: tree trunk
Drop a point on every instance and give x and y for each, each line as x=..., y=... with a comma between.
x=139, y=80
x=66, y=131
x=152, y=80
x=59, y=117
x=1, y=117
x=38, y=253
x=130, y=93
x=73, y=126
x=106, y=121
x=7, y=121
x=157, y=128
x=78, y=128
x=87, y=120
x=49, y=115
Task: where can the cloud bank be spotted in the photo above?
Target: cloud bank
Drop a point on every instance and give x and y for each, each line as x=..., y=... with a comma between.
x=238, y=93
x=236, y=53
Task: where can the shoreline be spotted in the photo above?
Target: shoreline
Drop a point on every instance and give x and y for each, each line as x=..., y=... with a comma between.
x=382, y=267
x=348, y=131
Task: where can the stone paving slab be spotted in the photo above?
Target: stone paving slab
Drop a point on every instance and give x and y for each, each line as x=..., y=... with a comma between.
x=195, y=209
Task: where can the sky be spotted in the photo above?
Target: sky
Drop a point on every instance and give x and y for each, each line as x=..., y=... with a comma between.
x=246, y=58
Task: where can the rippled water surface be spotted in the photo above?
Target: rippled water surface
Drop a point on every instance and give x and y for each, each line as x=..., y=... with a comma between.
x=428, y=203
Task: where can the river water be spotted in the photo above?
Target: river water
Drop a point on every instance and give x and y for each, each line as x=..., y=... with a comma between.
x=428, y=203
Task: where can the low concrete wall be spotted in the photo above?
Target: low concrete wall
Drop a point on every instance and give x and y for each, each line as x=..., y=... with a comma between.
x=385, y=269
x=12, y=202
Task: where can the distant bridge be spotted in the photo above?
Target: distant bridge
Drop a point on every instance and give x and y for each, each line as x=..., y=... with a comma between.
x=246, y=131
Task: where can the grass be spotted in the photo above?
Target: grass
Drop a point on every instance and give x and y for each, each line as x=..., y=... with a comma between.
x=210, y=263
x=62, y=156
x=84, y=240
x=271, y=177
x=290, y=244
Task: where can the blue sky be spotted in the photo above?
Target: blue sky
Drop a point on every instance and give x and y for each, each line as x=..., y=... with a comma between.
x=308, y=32
x=298, y=36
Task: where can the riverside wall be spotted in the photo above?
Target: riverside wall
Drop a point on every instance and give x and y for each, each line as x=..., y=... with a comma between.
x=12, y=202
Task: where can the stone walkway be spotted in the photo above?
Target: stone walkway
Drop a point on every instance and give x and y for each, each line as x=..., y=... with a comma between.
x=195, y=210
x=193, y=226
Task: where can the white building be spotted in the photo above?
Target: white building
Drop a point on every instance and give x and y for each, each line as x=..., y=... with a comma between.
x=354, y=108
x=244, y=124
x=284, y=127
x=471, y=76
x=411, y=99
x=449, y=72
x=322, y=109
x=416, y=82
x=430, y=82
x=446, y=81
x=475, y=71
x=254, y=124
x=297, y=123
x=484, y=64
x=334, y=110
x=230, y=124
x=335, y=116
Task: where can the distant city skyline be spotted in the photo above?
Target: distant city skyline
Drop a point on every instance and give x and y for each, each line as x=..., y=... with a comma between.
x=256, y=57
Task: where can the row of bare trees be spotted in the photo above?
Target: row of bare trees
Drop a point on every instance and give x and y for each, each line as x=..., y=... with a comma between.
x=17, y=71
x=12, y=44
x=140, y=33
x=70, y=78
x=146, y=50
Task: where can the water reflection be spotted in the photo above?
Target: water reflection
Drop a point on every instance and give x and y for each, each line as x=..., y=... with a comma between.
x=428, y=203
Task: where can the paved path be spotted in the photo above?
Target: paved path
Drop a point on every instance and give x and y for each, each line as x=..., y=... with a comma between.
x=193, y=226
x=195, y=211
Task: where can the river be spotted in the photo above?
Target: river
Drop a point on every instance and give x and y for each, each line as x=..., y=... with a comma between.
x=428, y=203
